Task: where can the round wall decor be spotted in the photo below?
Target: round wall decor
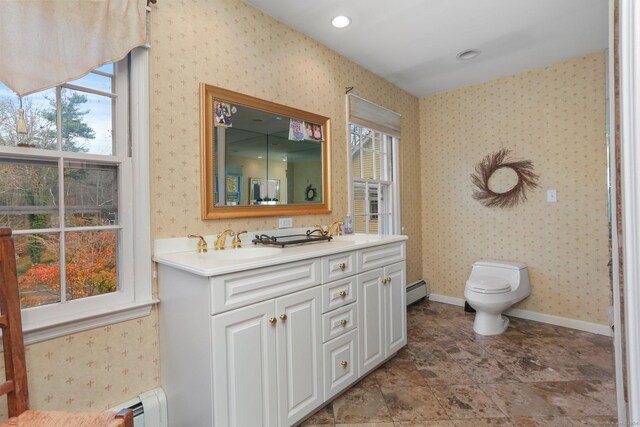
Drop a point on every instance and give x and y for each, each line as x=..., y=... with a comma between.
x=310, y=193
x=527, y=180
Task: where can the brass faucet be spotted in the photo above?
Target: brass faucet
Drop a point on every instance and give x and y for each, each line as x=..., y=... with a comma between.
x=335, y=229
x=237, y=243
x=202, y=244
x=222, y=239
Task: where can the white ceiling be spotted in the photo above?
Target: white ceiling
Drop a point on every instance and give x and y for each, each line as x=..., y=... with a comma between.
x=413, y=43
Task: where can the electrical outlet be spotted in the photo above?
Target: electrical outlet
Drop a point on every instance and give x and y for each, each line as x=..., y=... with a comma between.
x=285, y=222
x=552, y=196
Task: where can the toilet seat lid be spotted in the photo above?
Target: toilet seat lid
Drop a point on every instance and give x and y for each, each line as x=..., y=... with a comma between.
x=489, y=285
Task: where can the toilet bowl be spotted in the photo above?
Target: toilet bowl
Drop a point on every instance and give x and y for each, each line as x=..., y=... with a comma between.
x=492, y=288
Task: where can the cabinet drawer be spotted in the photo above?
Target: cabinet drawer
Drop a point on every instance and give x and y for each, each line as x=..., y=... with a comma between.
x=340, y=364
x=339, y=321
x=379, y=256
x=338, y=266
x=339, y=293
x=235, y=290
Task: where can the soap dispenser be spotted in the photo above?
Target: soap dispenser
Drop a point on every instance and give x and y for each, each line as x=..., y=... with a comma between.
x=348, y=225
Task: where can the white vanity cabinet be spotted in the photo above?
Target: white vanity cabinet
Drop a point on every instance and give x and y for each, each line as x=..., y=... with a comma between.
x=268, y=342
x=267, y=361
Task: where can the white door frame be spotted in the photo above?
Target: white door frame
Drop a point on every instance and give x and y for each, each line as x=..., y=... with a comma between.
x=629, y=14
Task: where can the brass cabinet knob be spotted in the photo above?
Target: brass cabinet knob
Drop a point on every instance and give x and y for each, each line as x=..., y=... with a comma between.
x=386, y=280
x=342, y=266
x=342, y=294
x=283, y=317
x=343, y=322
x=344, y=363
x=273, y=321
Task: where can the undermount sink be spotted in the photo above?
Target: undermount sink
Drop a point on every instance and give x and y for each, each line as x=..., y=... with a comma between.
x=241, y=253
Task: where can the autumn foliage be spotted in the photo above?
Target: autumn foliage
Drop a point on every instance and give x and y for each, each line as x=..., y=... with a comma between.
x=90, y=270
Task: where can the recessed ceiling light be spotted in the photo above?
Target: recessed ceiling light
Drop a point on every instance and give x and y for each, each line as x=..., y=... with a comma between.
x=468, y=54
x=341, y=21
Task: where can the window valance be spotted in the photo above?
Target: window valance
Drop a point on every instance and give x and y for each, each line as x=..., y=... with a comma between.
x=44, y=43
x=367, y=114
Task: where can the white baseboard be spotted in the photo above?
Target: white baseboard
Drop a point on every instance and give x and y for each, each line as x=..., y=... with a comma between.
x=566, y=322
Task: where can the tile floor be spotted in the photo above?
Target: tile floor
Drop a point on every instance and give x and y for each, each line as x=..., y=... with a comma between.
x=533, y=375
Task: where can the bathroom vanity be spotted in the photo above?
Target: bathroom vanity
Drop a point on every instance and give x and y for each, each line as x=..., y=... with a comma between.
x=264, y=336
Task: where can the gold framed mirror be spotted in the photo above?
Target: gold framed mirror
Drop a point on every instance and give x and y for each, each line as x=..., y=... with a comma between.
x=259, y=158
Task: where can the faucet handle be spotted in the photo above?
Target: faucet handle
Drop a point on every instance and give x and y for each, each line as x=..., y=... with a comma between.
x=202, y=244
x=237, y=243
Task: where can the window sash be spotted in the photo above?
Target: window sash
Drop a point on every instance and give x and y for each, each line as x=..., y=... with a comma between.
x=120, y=159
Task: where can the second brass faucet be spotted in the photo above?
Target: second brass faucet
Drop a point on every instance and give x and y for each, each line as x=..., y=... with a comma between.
x=335, y=229
x=222, y=239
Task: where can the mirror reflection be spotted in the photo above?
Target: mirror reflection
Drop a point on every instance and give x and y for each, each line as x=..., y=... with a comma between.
x=262, y=158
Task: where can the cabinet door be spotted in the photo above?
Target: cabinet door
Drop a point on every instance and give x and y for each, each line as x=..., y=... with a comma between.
x=371, y=321
x=244, y=367
x=299, y=350
x=395, y=307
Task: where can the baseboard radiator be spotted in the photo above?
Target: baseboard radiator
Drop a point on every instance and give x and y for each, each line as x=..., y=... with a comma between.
x=149, y=409
x=417, y=291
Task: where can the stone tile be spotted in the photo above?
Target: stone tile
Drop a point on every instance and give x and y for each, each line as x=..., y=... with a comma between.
x=366, y=425
x=398, y=373
x=442, y=423
x=567, y=377
x=576, y=368
x=368, y=382
x=583, y=348
x=484, y=422
x=444, y=373
x=543, y=346
x=412, y=404
x=534, y=369
x=466, y=401
x=507, y=347
x=579, y=398
x=487, y=370
x=464, y=349
x=544, y=422
x=426, y=353
x=604, y=421
x=361, y=405
x=323, y=417
x=519, y=400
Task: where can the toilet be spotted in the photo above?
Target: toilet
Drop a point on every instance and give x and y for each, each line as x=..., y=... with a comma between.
x=492, y=288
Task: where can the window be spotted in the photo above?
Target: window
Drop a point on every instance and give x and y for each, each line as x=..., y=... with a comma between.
x=372, y=181
x=373, y=145
x=66, y=193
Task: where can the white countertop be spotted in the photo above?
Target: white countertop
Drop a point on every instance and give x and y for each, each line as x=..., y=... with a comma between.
x=181, y=253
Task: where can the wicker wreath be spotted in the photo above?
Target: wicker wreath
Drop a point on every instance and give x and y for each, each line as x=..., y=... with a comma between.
x=527, y=180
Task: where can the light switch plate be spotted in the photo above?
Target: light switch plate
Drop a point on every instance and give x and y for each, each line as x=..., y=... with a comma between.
x=552, y=196
x=285, y=222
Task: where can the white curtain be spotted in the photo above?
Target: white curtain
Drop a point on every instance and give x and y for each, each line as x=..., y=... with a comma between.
x=44, y=43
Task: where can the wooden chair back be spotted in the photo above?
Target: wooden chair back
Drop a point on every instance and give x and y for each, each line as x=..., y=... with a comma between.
x=15, y=385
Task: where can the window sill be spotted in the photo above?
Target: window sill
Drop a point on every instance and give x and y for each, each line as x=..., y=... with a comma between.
x=78, y=322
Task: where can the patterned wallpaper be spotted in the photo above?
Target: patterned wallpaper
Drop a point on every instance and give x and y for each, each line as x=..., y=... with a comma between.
x=232, y=45
x=93, y=370
x=554, y=116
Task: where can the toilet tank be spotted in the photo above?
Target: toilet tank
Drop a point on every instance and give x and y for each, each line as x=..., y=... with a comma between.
x=512, y=272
